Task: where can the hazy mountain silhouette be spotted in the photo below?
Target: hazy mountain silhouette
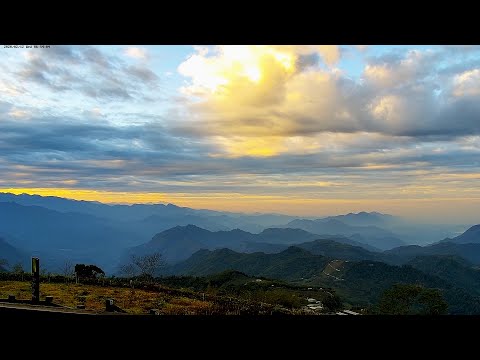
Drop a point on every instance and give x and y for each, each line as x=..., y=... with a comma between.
x=336, y=250
x=371, y=235
x=466, y=245
x=179, y=242
x=149, y=219
x=57, y=236
x=58, y=229
x=470, y=252
x=471, y=236
x=12, y=254
x=364, y=219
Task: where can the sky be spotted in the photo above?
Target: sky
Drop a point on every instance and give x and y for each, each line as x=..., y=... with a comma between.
x=307, y=130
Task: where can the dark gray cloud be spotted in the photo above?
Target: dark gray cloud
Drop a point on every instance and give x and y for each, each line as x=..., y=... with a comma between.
x=103, y=154
x=148, y=158
x=105, y=91
x=62, y=68
x=95, y=57
x=142, y=73
x=305, y=61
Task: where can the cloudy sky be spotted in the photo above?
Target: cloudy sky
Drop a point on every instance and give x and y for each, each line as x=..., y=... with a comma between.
x=304, y=130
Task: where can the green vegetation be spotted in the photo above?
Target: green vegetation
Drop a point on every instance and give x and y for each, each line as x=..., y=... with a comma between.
x=88, y=271
x=357, y=283
x=453, y=269
x=230, y=292
x=291, y=264
x=259, y=289
x=410, y=299
x=363, y=283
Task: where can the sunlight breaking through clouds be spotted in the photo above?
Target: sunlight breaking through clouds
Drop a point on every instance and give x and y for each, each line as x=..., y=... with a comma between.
x=292, y=122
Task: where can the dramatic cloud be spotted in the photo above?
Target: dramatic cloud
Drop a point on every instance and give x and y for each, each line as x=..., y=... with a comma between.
x=261, y=100
x=63, y=68
x=276, y=126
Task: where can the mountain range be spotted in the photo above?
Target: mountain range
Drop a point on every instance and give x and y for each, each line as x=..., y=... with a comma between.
x=358, y=282
x=359, y=255
x=371, y=235
x=470, y=252
x=59, y=230
x=364, y=218
x=180, y=242
x=471, y=236
x=12, y=254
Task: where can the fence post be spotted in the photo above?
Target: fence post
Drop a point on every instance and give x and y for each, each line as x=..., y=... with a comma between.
x=35, y=280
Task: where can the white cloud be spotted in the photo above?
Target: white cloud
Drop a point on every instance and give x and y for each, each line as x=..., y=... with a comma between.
x=137, y=53
x=262, y=100
x=329, y=53
x=467, y=83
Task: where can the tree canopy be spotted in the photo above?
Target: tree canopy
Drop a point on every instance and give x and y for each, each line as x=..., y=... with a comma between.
x=88, y=271
x=411, y=299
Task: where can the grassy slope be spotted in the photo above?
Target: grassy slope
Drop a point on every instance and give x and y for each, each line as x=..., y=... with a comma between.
x=230, y=292
x=136, y=301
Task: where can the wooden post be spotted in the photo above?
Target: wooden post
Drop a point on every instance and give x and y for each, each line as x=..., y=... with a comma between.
x=35, y=280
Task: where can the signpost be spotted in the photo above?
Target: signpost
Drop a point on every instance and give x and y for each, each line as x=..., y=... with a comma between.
x=35, y=280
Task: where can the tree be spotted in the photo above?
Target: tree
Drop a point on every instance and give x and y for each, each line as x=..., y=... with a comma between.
x=18, y=269
x=332, y=302
x=129, y=270
x=67, y=269
x=88, y=271
x=433, y=301
x=410, y=299
x=149, y=265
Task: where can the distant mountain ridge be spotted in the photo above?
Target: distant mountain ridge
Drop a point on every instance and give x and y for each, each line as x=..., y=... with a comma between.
x=168, y=214
x=12, y=254
x=58, y=229
x=466, y=245
x=179, y=242
x=57, y=236
x=336, y=250
x=363, y=218
x=371, y=235
x=471, y=236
